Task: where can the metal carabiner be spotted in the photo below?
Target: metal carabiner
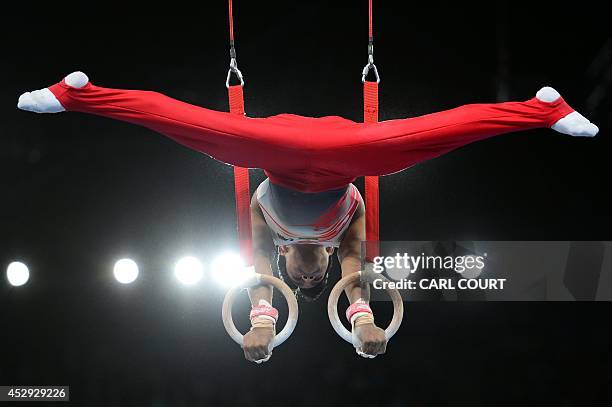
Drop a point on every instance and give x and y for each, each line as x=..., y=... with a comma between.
x=366, y=70
x=233, y=67
x=370, y=65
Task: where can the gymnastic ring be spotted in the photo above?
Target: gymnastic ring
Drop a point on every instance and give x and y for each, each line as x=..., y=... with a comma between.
x=332, y=305
x=258, y=279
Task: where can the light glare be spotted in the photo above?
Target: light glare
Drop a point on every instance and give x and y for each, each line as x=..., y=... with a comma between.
x=125, y=271
x=189, y=270
x=228, y=269
x=17, y=274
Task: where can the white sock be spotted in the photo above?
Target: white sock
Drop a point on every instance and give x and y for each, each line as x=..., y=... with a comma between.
x=548, y=94
x=40, y=101
x=574, y=123
x=44, y=101
x=76, y=79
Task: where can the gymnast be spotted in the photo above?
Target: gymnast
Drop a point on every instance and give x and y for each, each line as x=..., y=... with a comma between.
x=308, y=208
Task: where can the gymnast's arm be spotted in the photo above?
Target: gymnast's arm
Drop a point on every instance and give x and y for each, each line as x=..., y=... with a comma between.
x=263, y=250
x=349, y=252
x=257, y=341
x=372, y=338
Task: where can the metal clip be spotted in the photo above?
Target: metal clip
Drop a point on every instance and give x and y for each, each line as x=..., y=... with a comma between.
x=366, y=70
x=370, y=65
x=233, y=67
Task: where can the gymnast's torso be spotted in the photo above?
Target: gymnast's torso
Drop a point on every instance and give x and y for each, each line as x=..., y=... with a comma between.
x=313, y=218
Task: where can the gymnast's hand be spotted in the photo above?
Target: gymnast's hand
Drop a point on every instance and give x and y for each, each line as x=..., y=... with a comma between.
x=257, y=344
x=370, y=339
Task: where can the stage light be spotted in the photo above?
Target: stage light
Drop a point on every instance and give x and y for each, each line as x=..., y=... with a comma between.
x=228, y=269
x=125, y=271
x=189, y=270
x=17, y=274
x=472, y=272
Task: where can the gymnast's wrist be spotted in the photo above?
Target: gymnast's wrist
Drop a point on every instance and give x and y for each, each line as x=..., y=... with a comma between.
x=263, y=315
x=364, y=319
x=359, y=313
x=262, y=323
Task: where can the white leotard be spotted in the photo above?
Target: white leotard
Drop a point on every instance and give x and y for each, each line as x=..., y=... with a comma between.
x=317, y=218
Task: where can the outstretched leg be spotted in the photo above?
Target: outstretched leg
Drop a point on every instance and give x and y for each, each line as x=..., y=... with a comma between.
x=232, y=139
x=393, y=145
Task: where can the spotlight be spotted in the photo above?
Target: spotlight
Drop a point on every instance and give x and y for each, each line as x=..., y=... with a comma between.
x=17, y=274
x=188, y=270
x=228, y=270
x=125, y=271
x=473, y=272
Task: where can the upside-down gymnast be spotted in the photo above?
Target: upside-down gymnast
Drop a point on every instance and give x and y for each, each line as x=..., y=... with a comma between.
x=308, y=207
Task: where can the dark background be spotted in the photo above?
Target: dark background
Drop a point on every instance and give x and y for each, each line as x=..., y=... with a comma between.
x=79, y=192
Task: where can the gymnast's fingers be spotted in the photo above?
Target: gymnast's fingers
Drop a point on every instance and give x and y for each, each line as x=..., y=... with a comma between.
x=382, y=348
x=254, y=353
x=369, y=348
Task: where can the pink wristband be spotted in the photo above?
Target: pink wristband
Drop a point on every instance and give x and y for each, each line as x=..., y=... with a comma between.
x=357, y=306
x=264, y=310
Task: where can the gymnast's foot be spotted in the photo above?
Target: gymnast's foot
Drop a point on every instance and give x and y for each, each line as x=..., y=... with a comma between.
x=44, y=101
x=574, y=123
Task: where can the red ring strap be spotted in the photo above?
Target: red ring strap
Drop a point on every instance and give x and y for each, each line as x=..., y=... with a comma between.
x=231, y=20
x=370, y=29
x=372, y=200
x=370, y=115
x=241, y=175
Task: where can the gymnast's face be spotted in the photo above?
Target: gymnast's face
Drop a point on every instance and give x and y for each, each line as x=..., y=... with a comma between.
x=306, y=263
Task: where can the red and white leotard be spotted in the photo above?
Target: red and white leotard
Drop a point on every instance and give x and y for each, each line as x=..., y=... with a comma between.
x=316, y=218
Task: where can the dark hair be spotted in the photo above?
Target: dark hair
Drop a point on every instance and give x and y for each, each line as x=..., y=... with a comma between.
x=306, y=294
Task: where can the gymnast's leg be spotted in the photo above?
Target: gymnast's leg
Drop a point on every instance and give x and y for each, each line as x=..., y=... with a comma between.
x=230, y=138
x=393, y=145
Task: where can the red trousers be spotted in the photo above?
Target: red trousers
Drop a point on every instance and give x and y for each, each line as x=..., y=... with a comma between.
x=311, y=154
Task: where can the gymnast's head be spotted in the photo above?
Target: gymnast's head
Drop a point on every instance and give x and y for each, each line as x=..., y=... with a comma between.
x=305, y=268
